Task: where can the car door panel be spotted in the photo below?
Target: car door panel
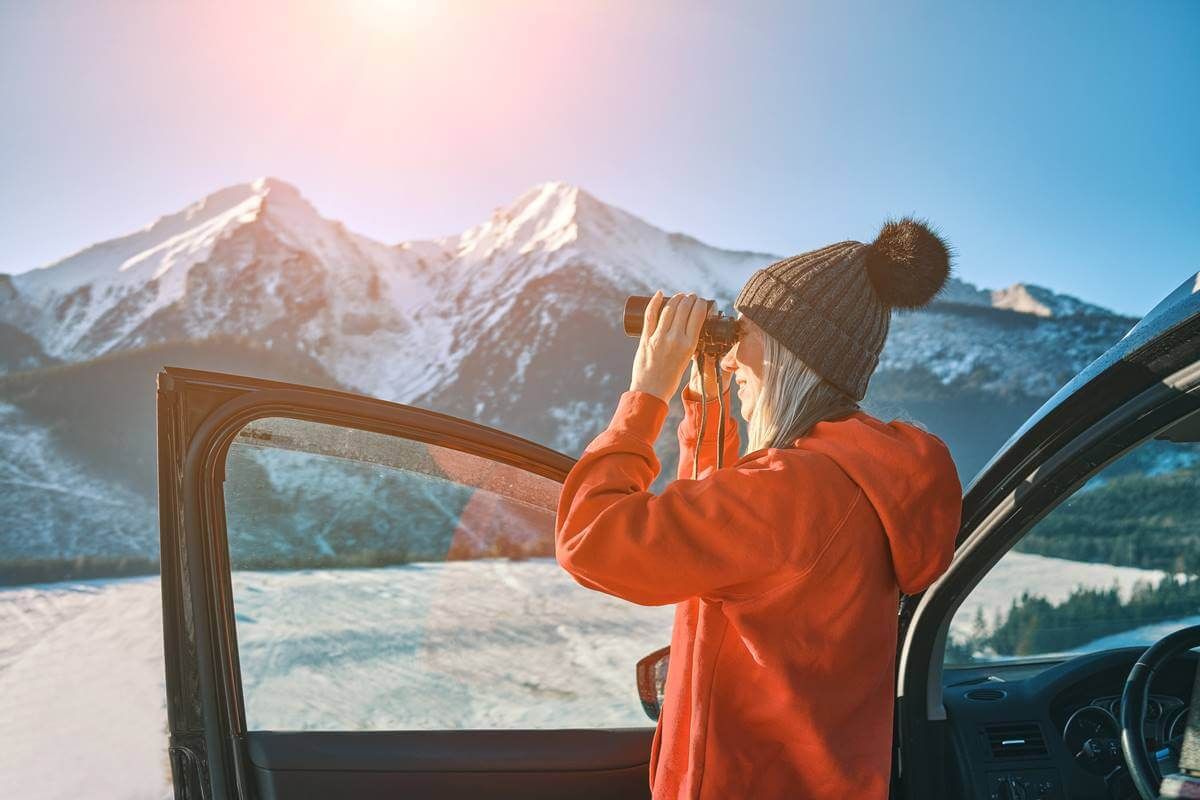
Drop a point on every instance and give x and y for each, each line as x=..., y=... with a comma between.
x=540, y=785
x=213, y=753
x=501, y=764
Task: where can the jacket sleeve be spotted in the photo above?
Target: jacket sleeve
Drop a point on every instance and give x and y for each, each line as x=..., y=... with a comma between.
x=689, y=428
x=696, y=538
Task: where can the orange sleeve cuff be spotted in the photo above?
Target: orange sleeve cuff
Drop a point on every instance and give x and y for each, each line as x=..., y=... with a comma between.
x=641, y=414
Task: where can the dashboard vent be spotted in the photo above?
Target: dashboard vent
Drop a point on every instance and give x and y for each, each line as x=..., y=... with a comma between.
x=986, y=694
x=1015, y=740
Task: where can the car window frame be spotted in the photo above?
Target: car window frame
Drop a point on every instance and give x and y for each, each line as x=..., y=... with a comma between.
x=200, y=630
x=1052, y=483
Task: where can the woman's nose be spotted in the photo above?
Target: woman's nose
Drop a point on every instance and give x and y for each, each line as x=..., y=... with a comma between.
x=728, y=361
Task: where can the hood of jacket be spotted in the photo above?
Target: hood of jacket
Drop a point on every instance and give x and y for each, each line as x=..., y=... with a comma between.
x=909, y=478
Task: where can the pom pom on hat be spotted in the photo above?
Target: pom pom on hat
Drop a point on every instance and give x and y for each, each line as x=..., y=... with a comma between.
x=908, y=264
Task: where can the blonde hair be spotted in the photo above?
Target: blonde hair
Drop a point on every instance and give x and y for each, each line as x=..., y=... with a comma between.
x=792, y=400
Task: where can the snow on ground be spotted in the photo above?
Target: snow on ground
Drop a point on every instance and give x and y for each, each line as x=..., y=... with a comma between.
x=1052, y=578
x=1140, y=637
x=464, y=644
x=82, y=691
x=479, y=644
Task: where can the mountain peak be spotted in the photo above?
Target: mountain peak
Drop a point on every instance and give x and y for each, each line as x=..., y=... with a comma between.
x=224, y=199
x=164, y=250
x=268, y=184
x=543, y=217
x=1022, y=298
x=1029, y=298
x=550, y=190
x=549, y=204
x=284, y=203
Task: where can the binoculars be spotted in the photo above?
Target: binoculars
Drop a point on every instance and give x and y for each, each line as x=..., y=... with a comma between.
x=716, y=337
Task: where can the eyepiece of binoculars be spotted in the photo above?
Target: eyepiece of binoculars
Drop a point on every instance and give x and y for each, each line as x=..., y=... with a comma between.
x=716, y=337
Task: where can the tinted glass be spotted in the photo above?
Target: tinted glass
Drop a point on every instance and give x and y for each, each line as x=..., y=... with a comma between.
x=1113, y=565
x=386, y=584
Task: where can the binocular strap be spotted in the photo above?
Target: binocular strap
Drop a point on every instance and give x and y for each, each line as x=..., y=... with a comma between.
x=700, y=359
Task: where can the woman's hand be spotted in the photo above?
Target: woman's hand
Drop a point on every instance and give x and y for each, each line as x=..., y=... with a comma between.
x=667, y=344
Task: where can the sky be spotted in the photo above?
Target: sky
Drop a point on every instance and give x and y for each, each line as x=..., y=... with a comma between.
x=1051, y=143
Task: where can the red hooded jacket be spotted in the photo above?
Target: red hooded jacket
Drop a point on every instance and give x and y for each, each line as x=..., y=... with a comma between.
x=785, y=567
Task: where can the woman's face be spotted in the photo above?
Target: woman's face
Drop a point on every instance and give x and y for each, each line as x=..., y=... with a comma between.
x=745, y=360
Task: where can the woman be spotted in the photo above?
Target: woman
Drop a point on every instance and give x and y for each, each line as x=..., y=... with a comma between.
x=786, y=564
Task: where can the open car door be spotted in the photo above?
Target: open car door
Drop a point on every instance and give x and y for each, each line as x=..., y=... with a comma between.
x=360, y=599
x=974, y=735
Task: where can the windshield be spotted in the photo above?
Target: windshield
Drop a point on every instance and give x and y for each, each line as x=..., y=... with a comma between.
x=1114, y=565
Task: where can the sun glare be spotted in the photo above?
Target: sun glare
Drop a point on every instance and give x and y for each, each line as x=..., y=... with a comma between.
x=395, y=14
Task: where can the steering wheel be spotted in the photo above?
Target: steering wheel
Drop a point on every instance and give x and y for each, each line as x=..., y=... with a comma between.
x=1143, y=770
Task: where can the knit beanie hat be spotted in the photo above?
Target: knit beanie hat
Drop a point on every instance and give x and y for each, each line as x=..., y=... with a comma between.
x=831, y=307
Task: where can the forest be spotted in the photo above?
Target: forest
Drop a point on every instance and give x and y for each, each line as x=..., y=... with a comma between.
x=1138, y=512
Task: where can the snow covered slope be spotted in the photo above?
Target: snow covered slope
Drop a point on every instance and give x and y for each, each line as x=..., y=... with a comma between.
x=999, y=350
x=44, y=488
x=251, y=260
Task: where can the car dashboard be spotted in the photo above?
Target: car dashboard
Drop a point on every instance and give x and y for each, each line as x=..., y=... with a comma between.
x=1049, y=730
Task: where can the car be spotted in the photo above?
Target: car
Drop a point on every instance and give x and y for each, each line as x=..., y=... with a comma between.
x=360, y=600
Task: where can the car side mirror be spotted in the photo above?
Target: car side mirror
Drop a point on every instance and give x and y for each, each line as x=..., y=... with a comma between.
x=652, y=681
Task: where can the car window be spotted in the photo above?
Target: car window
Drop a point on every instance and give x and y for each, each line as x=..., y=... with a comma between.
x=1113, y=565
x=387, y=584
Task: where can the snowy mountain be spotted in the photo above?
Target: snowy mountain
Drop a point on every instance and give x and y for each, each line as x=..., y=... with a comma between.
x=401, y=321
x=514, y=323
x=254, y=260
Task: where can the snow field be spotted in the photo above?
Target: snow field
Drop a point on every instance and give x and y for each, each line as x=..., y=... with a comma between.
x=82, y=711
x=463, y=644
